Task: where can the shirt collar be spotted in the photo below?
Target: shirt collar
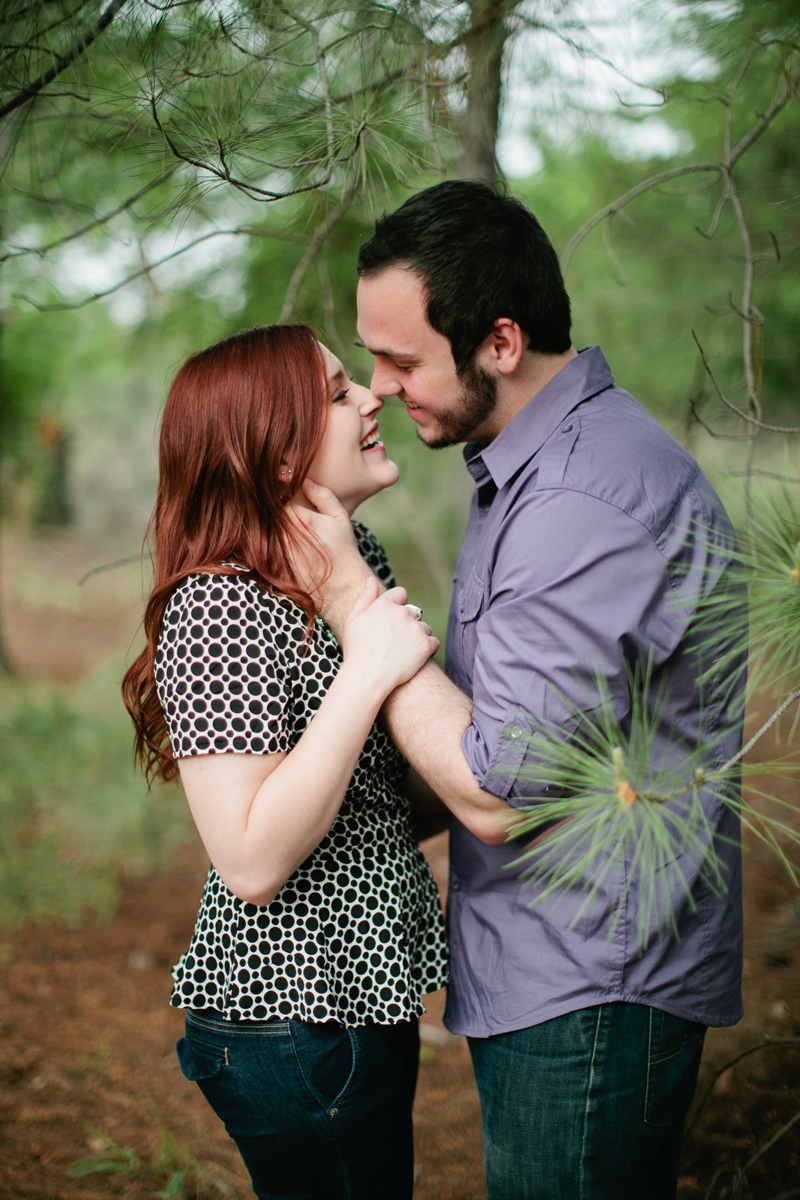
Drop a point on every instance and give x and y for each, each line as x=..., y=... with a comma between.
x=581, y=378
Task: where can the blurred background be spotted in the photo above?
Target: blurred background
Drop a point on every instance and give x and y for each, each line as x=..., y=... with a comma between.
x=174, y=172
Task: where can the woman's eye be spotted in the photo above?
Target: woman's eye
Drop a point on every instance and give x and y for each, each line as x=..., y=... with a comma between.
x=341, y=394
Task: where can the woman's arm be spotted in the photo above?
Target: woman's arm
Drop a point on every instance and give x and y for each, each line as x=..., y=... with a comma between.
x=260, y=816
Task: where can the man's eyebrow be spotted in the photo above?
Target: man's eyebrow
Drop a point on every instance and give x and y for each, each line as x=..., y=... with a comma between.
x=395, y=355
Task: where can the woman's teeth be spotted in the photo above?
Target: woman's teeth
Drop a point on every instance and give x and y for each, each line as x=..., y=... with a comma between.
x=372, y=441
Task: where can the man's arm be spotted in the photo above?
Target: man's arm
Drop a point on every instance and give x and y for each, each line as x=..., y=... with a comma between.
x=427, y=718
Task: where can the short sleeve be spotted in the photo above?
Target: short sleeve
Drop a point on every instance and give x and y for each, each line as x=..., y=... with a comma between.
x=373, y=554
x=221, y=672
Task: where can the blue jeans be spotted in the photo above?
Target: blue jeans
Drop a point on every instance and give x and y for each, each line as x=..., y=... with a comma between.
x=588, y=1106
x=318, y=1112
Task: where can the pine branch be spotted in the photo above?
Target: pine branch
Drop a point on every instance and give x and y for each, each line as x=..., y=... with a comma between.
x=250, y=189
x=62, y=61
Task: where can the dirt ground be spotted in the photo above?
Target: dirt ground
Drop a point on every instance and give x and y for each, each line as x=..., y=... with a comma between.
x=86, y=1035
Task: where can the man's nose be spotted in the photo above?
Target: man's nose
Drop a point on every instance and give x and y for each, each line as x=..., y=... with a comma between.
x=384, y=382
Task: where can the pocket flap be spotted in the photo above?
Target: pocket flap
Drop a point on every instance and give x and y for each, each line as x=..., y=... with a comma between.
x=198, y=1063
x=472, y=599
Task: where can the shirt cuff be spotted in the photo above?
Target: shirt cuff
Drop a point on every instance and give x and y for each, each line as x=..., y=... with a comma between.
x=498, y=773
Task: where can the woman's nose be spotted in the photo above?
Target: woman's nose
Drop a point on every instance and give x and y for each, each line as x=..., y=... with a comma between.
x=369, y=403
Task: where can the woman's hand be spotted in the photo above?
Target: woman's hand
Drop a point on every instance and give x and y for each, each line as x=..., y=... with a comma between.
x=382, y=641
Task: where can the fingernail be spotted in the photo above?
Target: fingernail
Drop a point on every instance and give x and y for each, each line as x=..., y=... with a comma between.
x=310, y=483
x=369, y=581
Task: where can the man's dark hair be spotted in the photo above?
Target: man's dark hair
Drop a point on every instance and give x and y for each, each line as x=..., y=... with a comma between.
x=482, y=255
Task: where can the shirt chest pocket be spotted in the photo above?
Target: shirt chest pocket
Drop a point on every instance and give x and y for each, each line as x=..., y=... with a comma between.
x=470, y=607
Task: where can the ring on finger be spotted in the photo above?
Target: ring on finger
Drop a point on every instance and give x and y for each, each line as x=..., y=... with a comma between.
x=415, y=611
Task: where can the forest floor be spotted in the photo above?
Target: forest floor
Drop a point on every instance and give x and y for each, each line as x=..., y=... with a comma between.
x=87, y=1068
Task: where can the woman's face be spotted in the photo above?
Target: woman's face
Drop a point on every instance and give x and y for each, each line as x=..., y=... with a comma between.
x=352, y=460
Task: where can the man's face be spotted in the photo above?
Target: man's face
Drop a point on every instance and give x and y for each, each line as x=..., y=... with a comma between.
x=415, y=363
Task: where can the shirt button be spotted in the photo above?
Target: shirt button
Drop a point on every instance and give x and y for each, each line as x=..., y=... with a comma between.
x=515, y=732
x=567, y=429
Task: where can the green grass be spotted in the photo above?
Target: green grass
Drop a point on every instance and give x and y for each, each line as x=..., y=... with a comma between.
x=75, y=820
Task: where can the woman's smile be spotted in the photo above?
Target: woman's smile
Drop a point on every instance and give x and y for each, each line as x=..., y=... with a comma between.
x=352, y=459
x=372, y=440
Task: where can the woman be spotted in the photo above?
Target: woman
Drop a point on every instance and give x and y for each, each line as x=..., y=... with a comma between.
x=320, y=927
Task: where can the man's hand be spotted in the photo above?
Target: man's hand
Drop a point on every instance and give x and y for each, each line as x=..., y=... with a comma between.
x=337, y=574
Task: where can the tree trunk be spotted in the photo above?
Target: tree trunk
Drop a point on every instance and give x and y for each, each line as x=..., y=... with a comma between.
x=479, y=127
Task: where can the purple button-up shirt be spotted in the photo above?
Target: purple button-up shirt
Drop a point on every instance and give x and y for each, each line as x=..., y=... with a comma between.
x=591, y=534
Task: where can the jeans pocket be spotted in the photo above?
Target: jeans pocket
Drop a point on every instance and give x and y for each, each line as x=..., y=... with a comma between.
x=326, y=1054
x=199, y=1062
x=673, y=1060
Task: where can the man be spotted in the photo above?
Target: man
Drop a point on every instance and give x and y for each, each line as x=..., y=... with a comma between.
x=592, y=537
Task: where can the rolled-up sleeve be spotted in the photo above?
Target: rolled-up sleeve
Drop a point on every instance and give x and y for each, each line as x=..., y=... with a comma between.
x=574, y=590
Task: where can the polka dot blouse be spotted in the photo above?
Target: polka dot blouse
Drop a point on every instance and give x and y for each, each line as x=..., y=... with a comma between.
x=356, y=934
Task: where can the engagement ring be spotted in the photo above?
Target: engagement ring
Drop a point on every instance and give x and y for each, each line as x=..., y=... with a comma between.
x=415, y=612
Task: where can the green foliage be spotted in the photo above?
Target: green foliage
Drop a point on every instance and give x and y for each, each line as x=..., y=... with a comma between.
x=622, y=820
x=73, y=819
x=111, y=1160
x=615, y=806
x=774, y=571
x=170, y=1167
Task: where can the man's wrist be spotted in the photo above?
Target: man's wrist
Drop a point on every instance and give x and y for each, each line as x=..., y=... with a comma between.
x=341, y=593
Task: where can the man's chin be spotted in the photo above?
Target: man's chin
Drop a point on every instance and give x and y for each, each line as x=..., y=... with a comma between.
x=436, y=438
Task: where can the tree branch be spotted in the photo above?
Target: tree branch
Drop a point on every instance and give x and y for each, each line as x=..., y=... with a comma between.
x=238, y=231
x=62, y=61
x=95, y=224
x=426, y=114
x=622, y=201
x=314, y=247
x=721, y=168
x=790, y=1041
x=251, y=189
x=744, y=416
x=755, y=133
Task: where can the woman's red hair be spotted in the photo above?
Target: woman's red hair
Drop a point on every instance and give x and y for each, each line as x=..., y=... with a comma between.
x=235, y=414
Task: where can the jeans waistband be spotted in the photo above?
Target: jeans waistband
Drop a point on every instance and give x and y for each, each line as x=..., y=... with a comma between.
x=212, y=1018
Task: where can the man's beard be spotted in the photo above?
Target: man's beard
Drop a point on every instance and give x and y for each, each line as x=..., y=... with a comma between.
x=474, y=405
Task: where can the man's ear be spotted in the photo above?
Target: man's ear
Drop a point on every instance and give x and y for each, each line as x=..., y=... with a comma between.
x=505, y=346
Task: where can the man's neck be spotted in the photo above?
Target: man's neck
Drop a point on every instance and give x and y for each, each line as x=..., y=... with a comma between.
x=515, y=391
